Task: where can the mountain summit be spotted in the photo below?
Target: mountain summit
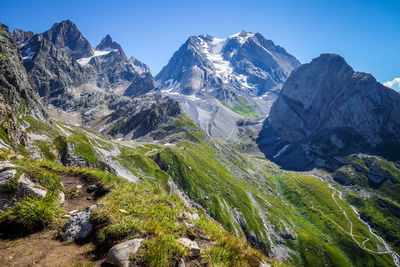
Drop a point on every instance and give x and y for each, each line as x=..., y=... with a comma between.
x=108, y=43
x=65, y=35
x=326, y=109
x=245, y=62
x=233, y=78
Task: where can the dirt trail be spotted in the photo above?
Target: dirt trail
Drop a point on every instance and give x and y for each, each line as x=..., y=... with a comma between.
x=44, y=248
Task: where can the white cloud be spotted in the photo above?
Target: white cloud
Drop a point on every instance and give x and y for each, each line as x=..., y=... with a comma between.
x=394, y=84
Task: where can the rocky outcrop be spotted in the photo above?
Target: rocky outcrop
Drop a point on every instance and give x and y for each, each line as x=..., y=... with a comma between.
x=28, y=188
x=343, y=176
x=148, y=116
x=327, y=110
x=69, y=158
x=392, y=207
x=17, y=96
x=367, y=170
x=121, y=254
x=21, y=36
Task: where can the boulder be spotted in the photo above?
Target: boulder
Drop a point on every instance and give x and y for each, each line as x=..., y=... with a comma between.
x=6, y=176
x=28, y=188
x=79, y=226
x=6, y=165
x=120, y=254
x=69, y=158
x=192, y=245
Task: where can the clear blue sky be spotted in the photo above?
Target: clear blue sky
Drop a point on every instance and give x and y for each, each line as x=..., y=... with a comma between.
x=366, y=33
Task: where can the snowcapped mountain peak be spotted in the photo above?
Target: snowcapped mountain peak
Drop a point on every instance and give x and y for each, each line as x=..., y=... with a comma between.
x=212, y=77
x=241, y=36
x=108, y=43
x=208, y=64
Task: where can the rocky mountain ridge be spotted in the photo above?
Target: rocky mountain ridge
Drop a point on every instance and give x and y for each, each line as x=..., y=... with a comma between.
x=81, y=84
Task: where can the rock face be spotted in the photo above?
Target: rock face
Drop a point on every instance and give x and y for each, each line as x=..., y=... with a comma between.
x=219, y=81
x=17, y=96
x=141, y=118
x=21, y=36
x=52, y=70
x=384, y=204
x=66, y=36
x=120, y=254
x=14, y=83
x=327, y=110
x=68, y=158
x=114, y=71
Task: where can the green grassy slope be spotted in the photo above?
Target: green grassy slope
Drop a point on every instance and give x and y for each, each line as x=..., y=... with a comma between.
x=296, y=218
x=241, y=107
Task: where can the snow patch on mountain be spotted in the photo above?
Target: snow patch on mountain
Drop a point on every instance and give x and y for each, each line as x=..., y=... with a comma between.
x=97, y=53
x=213, y=50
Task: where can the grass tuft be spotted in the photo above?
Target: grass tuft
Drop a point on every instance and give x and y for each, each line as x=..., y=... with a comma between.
x=33, y=213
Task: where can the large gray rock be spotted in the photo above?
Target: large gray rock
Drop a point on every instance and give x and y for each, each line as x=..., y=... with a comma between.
x=79, y=226
x=69, y=158
x=191, y=245
x=326, y=110
x=6, y=176
x=121, y=254
x=28, y=188
x=6, y=165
